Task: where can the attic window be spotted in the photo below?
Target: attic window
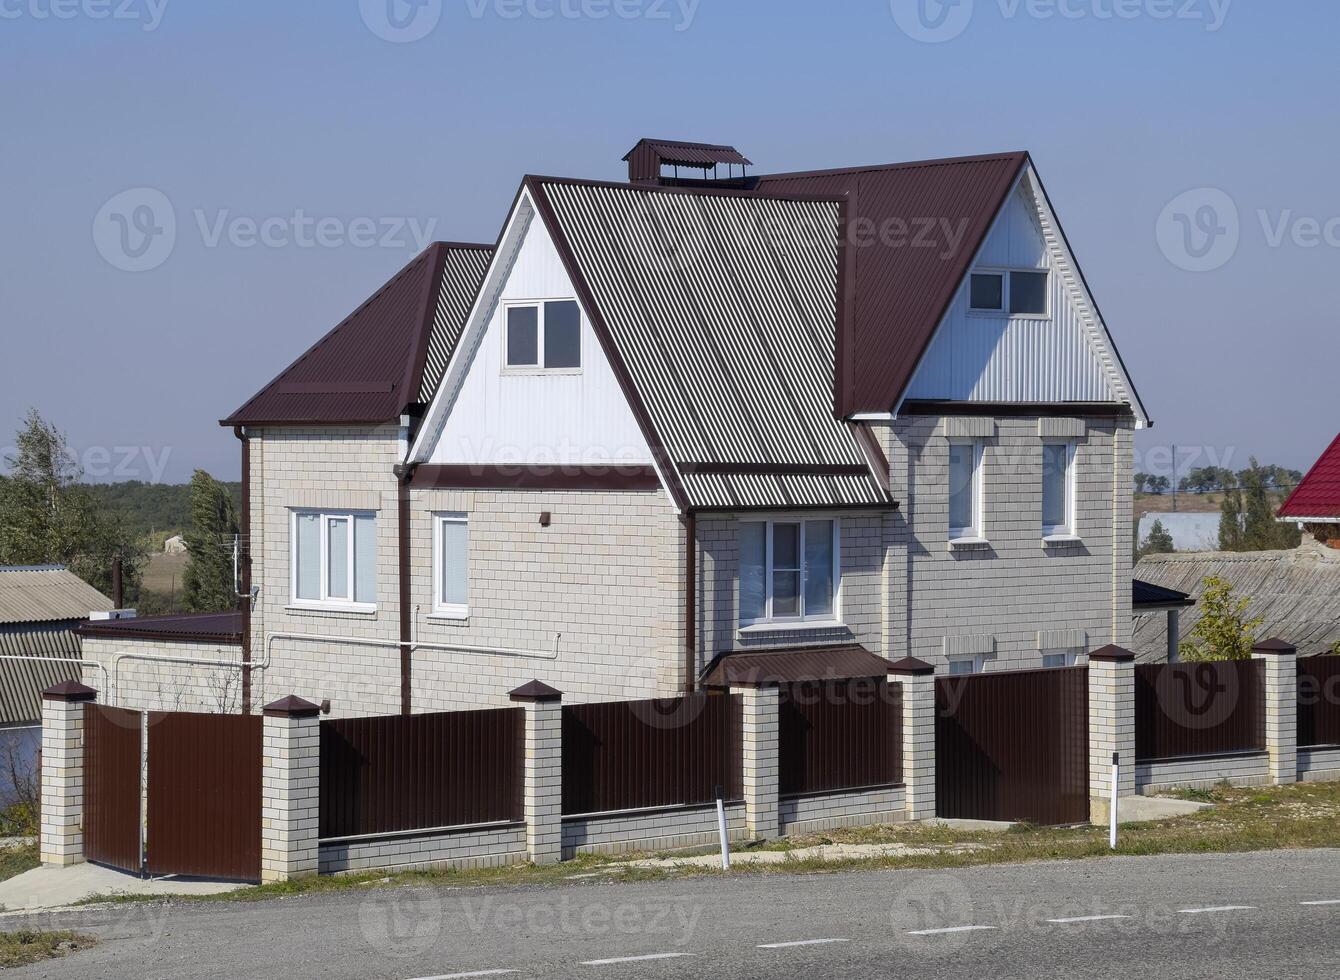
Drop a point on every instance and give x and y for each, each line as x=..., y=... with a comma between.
x=543, y=337
x=1023, y=292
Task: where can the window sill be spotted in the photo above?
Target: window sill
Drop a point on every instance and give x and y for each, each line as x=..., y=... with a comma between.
x=798, y=626
x=957, y=543
x=1051, y=540
x=531, y=372
x=344, y=608
x=449, y=616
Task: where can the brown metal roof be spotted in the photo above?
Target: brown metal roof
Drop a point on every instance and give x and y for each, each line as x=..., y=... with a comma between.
x=46, y=594
x=757, y=668
x=188, y=627
x=898, y=294
x=369, y=368
x=679, y=153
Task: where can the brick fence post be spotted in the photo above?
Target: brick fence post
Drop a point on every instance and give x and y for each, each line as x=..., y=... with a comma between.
x=544, y=771
x=918, y=735
x=760, y=770
x=290, y=790
x=1279, y=666
x=1111, y=726
x=62, y=831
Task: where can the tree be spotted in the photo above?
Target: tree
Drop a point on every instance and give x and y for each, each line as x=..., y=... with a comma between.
x=48, y=518
x=208, y=584
x=1160, y=484
x=1222, y=633
x=1231, y=537
x=1159, y=542
x=1260, y=529
x=1140, y=480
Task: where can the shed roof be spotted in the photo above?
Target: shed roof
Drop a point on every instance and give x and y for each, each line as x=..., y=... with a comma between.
x=387, y=355
x=46, y=593
x=225, y=628
x=1147, y=595
x=1318, y=495
x=22, y=682
x=754, y=668
x=678, y=152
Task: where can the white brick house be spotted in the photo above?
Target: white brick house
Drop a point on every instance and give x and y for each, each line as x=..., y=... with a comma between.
x=664, y=421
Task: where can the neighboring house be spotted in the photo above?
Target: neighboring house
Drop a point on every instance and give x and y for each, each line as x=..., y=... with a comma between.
x=175, y=545
x=1314, y=504
x=1297, y=592
x=862, y=414
x=40, y=607
x=1190, y=531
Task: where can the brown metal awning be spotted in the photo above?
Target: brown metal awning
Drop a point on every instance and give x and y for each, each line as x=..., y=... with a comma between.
x=760, y=668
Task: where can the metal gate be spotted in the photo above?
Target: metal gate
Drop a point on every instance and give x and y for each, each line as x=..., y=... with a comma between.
x=204, y=795
x=112, y=786
x=1013, y=746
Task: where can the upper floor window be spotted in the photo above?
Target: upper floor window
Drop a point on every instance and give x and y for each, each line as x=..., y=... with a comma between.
x=543, y=336
x=335, y=559
x=789, y=571
x=1020, y=292
x=1058, y=490
x=451, y=565
x=965, y=491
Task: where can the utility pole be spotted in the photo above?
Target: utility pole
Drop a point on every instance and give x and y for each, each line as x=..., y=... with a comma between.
x=1174, y=479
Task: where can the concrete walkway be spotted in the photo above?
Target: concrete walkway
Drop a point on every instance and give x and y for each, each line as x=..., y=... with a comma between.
x=48, y=888
x=821, y=852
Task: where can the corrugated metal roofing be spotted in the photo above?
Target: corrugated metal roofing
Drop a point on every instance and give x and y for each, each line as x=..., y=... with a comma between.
x=22, y=682
x=371, y=367
x=722, y=307
x=901, y=292
x=790, y=665
x=197, y=627
x=1319, y=493
x=691, y=154
x=1149, y=594
x=46, y=593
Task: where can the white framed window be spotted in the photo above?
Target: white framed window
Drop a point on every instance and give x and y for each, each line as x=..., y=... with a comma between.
x=789, y=571
x=451, y=565
x=1018, y=292
x=966, y=665
x=965, y=491
x=542, y=336
x=1058, y=491
x=1060, y=658
x=334, y=560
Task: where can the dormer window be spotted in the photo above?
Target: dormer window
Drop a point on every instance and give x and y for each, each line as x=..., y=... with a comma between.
x=544, y=336
x=1021, y=292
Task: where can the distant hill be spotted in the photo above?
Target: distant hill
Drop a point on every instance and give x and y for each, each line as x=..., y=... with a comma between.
x=153, y=507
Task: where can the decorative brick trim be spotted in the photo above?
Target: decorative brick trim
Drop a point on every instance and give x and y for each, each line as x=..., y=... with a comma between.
x=1062, y=639
x=970, y=428
x=1054, y=428
x=976, y=645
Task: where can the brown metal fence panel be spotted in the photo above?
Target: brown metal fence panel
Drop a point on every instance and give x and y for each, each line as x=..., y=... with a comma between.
x=1319, y=701
x=1191, y=709
x=204, y=795
x=112, y=786
x=837, y=735
x=421, y=772
x=633, y=755
x=1013, y=746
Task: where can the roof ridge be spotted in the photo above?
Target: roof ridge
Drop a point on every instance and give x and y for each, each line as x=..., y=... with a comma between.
x=745, y=193
x=900, y=165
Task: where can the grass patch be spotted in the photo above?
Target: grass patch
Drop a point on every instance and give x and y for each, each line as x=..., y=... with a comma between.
x=16, y=860
x=30, y=946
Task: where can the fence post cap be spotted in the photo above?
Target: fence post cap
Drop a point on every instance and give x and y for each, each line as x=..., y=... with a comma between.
x=1113, y=654
x=292, y=707
x=536, y=692
x=69, y=691
x=1275, y=646
x=911, y=666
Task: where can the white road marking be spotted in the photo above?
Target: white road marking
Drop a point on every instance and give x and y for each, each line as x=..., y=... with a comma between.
x=941, y=932
x=1218, y=908
x=463, y=976
x=802, y=942
x=635, y=959
x=1329, y=901
x=1088, y=918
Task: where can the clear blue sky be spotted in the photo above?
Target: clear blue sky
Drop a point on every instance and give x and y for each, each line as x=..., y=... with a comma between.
x=261, y=110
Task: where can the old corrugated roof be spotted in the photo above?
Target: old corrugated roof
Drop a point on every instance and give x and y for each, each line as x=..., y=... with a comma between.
x=386, y=355
x=900, y=293
x=223, y=628
x=753, y=668
x=1297, y=592
x=23, y=681
x=722, y=309
x=46, y=593
x=1318, y=496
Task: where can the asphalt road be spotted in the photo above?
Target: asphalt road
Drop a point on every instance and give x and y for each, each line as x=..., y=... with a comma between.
x=1213, y=916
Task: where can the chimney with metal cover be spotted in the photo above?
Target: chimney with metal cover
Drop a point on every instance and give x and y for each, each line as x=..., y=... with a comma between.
x=647, y=162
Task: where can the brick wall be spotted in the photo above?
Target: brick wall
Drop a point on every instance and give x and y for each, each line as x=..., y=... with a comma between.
x=155, y=686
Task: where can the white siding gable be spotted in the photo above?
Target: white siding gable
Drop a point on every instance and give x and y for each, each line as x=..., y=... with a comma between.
x=1064, y=357
x=489, y=417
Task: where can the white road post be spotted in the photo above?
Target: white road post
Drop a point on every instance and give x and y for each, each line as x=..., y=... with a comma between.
x=1116, y=786
x=721, y=829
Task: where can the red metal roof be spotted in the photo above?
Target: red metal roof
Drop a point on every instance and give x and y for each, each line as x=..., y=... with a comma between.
x=1319, y=493
x=756, y=668
x=223, y=627
x=897, y=293
x=368, y=369
x=690, y=154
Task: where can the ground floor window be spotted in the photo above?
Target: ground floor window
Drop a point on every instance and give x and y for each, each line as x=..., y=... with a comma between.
x=789, y=571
